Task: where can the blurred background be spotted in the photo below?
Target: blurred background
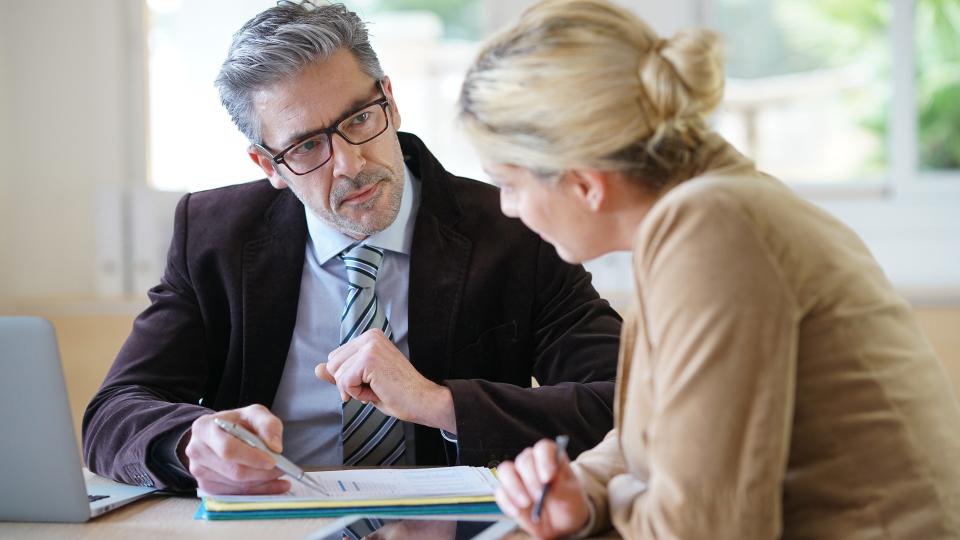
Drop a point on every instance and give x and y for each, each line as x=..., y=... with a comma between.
x=108, y=115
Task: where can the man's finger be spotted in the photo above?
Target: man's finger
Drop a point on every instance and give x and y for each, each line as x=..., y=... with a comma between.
x=224, y=447
x=209, y=472
x=368, y=395
x=323, y=373
x=265, y=425
x=350, y=382
x=210, y=482
x=340, y=355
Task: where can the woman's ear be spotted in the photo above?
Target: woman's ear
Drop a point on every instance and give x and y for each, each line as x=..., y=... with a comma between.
x=268, y=166
x=589, y=186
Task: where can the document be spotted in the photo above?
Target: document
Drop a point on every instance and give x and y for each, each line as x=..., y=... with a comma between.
x=401, y=491
x=366, y=484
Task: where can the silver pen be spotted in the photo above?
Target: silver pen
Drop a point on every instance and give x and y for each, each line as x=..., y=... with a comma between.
x=284, y=464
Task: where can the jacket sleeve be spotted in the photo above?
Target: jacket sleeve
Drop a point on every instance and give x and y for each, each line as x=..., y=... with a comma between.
x=575, y=336
x=594, y=468
x=154, y=386
x=707, y=416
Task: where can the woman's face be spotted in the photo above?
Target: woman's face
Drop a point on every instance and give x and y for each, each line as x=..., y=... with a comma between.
x=556, y=210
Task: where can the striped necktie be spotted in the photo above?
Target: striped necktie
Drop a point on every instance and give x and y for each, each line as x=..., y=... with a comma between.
x=370, y=437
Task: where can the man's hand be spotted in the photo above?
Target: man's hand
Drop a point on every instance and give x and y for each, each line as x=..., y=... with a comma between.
x=370, y=368
x=225, y=465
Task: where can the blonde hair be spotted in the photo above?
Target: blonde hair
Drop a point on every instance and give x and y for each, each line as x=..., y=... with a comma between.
x=588, y=84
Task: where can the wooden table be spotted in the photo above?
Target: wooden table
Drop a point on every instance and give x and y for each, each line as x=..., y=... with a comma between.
x=169, y=518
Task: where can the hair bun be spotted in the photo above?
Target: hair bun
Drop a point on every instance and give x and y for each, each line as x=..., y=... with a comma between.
x=683, y=76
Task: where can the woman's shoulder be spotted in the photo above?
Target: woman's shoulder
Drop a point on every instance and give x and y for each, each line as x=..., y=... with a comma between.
x=726, y=189
x=744, y=212
x=727, y=197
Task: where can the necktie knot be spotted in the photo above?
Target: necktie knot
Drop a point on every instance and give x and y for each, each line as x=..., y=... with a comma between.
x=363, y=263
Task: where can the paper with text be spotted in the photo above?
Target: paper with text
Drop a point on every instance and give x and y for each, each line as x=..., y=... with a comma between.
x=367, y=484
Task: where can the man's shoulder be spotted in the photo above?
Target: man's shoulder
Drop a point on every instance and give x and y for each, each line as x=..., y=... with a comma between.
x=237, y=197
x=237, y=212
x=474, y=193
x=480, y=210
x=238, y=203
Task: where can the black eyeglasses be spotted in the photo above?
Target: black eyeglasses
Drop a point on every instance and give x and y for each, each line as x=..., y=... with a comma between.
x=315, y=149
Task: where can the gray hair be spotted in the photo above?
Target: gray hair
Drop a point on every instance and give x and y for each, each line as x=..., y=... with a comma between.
x=278, y=43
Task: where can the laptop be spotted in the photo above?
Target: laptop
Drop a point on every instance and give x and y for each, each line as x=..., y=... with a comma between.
x=41, y=476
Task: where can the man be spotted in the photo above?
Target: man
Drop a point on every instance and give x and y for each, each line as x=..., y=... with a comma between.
x=291, y=305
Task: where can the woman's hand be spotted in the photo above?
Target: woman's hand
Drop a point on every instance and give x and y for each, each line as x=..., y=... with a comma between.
x=565, y=510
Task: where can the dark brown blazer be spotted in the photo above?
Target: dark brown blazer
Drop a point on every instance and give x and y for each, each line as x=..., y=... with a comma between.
x=490, y=306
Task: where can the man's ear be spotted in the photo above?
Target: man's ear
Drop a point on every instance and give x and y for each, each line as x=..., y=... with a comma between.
x=394, y=111
x=268, y=166
x=589, y=186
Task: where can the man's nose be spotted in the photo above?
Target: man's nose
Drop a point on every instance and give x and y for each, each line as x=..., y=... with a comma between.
x=347, y=158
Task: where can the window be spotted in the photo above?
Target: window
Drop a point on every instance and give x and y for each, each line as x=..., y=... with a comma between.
x=425, y=46
x=843, y=90
x=854, y=102
x=937, y=33
x=809, y=103
x=193, y=143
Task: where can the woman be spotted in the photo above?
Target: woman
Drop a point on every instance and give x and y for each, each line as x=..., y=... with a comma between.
x=771, y=381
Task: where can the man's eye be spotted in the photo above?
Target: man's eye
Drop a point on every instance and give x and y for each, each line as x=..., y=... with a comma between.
x=306, y=147
x=361, y=118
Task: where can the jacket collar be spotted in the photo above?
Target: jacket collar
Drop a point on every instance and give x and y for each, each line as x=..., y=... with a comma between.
x=272, y=265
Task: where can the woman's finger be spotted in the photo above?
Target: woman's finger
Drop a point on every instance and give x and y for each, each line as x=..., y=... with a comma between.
x=513, y=486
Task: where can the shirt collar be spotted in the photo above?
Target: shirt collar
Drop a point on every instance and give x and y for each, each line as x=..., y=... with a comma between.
x=327, y=242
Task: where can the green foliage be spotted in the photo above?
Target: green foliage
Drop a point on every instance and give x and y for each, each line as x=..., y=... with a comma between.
x=938, y=83
x=834, y=32
x=864, y=25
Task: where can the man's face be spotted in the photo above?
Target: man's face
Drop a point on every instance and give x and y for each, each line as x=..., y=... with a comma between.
x=358, y=190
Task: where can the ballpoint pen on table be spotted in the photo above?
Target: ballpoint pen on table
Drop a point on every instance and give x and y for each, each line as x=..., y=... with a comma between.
x=284, y=464
x=562, y=441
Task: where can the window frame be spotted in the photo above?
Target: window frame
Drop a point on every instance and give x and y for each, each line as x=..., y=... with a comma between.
x=903, y=173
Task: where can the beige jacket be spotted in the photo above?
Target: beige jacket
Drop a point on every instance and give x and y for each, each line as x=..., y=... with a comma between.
x=771, y=382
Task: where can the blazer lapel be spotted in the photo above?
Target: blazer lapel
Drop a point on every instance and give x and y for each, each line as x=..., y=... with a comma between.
x=438, y=264
x=272, y=271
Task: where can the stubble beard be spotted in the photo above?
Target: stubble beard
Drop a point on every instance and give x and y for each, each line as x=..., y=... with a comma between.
x=372, y=221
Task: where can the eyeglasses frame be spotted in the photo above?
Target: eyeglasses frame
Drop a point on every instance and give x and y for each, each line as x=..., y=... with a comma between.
x=332, y=129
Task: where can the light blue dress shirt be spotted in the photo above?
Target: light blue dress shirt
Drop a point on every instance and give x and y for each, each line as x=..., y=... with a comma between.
x=309, y=407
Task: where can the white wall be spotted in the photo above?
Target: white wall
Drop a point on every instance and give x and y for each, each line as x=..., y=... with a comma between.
x=72, y=124
x=68, y=123
x=5, y=182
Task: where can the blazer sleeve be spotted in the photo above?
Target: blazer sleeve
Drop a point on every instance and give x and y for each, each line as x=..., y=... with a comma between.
x=153, y=388
x=721, y=323
x=575, y=336
x=594, y=468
